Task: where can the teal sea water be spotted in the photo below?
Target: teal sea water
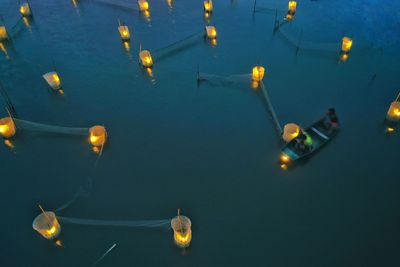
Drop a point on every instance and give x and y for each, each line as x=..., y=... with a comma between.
x=211, y=151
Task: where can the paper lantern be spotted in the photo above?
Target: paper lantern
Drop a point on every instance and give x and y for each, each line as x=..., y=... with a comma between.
x=53, y=80
x=292, y=7
x=181, y=225
x=347, y=43
x=25, y=10
x=208, y=6
x=97, y=135
x=170, y=3
x=3, y=33
x=393, y=113
x=284, y=159
x=145, y=58
x=290, y=132
x=258, y=73
x=211, y=32
x=124, y=32
x=47, y=225
x=143, y=5
x=7, y=127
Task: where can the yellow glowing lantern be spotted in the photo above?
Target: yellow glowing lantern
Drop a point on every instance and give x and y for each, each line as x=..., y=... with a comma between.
x=170, y=3
x=3, y=33
x=208, y=6
x=7, y=127
x=285, y=158
x=25, y=10
x=290, y=132
x=143, y=5
x=292, y=7
x=393, y=113
x=258, y=73
x=343, y=56
x=53, y=80
x=97, y=135
x=124, y=32
x=347, y=43
x=211, y=32
x=181, y=225
x=47, y=225
x=145, y=58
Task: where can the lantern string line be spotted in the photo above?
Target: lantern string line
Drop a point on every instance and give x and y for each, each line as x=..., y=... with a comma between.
x=308, y=45
x=117, y=4
x=178, y=46
x=271, y=109
x=116, y=223
x=33, y=126
x=224, y=80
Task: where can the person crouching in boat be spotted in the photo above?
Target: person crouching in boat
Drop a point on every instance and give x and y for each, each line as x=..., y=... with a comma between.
x=303, y=142
x=331, y=120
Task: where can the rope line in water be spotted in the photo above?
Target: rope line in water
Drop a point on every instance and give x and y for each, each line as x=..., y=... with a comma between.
x=271, y=109
x=33, y=126
x=115, y=223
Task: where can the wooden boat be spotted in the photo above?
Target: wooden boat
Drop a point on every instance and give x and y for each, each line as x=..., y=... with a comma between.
x=317, y=133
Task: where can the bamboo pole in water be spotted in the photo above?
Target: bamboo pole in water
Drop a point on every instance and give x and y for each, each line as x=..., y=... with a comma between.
x=271, y=109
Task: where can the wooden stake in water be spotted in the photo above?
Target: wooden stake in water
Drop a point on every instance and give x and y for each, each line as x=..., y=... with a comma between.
x=105, y=254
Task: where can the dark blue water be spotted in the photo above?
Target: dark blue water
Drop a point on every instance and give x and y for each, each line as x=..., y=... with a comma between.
x=211, y=151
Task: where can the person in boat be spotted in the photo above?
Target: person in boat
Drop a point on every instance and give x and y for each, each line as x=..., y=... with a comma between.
x=303, y=142
x=331, y=120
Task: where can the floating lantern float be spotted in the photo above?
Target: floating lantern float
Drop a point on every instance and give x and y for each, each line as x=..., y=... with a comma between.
x=7, y=127
x=292, y=5
x=53, y=80
x=3, y=33
x=47, y=224
x=25, y=10
x=393, y=113
x=258, y=73
x=143, y=5
x=98, y=135
x=290, y=132
x=124, y=32
x=181, y=225
x=347, y=43
x=208, y=6
x=211, y=32
x=145, y=58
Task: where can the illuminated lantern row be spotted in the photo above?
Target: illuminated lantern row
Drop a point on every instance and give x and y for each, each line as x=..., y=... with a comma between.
x=393, y=113
x=145, y=58
x=53, y=80
x=290, y=132
x=181, y=225
x=143, y=5
x=25, y=10
x=3, y=33
x=47, y=225
x=211, y=32
x=292, y=5
x=7, y=127
x=97, y=136
x=208, y=6
x=258, y=73
x=124, y=32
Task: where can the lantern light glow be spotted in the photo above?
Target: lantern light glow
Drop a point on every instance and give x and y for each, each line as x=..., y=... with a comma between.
x=7, y=127
x=53, y=80
x=3, y=33
x=181, y=225
x=347, y=43
x=47, y=225
x=124, y=32
x=208, y=6
x=211, y=32
x=97, y=135
x=393, y=113
x=145, y=58
x=143, y=5
x=258, y=73
x=25, y=10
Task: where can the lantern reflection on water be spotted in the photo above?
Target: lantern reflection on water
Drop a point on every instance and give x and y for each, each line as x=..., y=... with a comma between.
x=181, y=225
x=3, y=33
x=25, y=10
x=53, y=80
x=258, y=73
x=7, y=127
x=97, y=135
x=208, y=6
x=211, y=32
x=393, y=113
x=47, y=225
x=145, y=58
x=290, y=131
x=143, y=5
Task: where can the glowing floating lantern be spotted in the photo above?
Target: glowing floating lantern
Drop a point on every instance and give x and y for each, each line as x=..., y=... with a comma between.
x=145, y=58
x=292, y=5
x=208, y=6
x=25, y=10
x=143, y=5
x=347, y=43
x=3, y=33
x=211, y=32
x=170, y=3
x=97, y=135
x=47, y=225
x=53, y=80
x=7, y=127
x=290, y=132
x=124, y=32
x=393, y=113
x=258, y=73
x=181, y=225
